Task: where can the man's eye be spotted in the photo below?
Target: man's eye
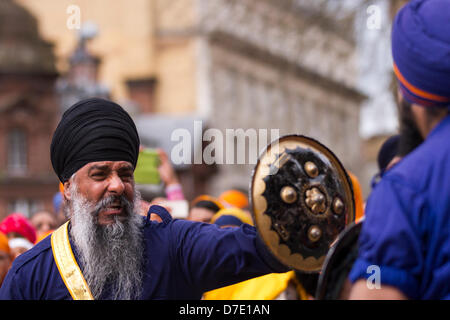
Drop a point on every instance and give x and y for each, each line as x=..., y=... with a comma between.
x=98, y=175
x=127, y=176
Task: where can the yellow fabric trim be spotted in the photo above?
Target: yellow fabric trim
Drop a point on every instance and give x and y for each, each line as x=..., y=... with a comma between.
x=235, y=212
x=266, y=287
x=67, y=265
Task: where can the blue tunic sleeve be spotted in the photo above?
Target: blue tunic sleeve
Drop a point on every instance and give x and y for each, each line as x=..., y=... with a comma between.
x=391, y=237
x=9, y=289
x=211, y=257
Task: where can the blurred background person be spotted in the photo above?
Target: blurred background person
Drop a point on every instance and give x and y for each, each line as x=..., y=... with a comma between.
x=58, y=206
x=20, y=232
x=16, y=225
x=231, y=217
x=234, y=198
x=44, y=222
x=18, y=246
x=5, y=257
x=155, y=171
x=168, y=176
x=203, y=208
x=387, y=157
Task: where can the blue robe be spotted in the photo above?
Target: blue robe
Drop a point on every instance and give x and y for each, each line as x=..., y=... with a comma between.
x=406, y=232
x=183, y=259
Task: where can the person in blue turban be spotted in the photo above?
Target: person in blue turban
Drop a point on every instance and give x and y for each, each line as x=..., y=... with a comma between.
x=404, y=246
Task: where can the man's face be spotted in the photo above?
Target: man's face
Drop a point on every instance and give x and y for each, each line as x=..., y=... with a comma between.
x=97, y=181
x=106, y=228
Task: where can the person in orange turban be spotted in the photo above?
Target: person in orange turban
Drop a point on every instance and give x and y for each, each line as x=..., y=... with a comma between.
x=234, y=198
x=5, y=256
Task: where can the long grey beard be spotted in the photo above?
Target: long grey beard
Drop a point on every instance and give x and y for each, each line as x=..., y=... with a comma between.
x=111, y=256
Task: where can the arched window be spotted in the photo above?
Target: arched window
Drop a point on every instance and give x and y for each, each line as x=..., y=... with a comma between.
x=17, y=152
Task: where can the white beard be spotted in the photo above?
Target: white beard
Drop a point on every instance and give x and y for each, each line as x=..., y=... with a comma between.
x=112, y=255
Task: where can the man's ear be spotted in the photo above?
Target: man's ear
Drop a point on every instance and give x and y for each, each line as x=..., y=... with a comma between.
x=67, y=195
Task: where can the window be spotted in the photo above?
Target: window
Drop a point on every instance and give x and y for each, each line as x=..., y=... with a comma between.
x=27, y=207
x=17, y=152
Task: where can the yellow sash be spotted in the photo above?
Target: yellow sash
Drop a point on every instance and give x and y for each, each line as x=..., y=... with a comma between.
x=68, y=266
x=267, y=287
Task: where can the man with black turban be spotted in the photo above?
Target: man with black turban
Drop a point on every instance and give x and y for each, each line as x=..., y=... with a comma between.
x=107, y=250
x=405, y=239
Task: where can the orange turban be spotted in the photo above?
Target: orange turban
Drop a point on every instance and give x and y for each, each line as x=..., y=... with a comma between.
x=359, y=201
x=4, y=246
x=234, y=198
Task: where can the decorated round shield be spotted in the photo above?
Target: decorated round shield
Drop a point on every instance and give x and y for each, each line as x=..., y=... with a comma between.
x=301, y=199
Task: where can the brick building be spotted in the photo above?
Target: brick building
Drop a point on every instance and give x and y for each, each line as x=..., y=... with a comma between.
x=28, y=113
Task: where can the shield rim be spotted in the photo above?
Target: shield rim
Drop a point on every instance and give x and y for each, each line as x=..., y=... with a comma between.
x=331, y=256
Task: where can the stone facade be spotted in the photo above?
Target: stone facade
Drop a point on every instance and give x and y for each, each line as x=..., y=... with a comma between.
x=267, y=68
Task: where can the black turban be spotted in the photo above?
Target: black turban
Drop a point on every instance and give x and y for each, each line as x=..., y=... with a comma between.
x=93, y=130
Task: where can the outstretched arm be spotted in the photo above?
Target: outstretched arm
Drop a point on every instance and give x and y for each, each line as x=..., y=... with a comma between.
x=212, y=257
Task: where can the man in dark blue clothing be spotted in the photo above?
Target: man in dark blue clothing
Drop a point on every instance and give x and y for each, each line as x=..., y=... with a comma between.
x=405, y=240
x=107, y=250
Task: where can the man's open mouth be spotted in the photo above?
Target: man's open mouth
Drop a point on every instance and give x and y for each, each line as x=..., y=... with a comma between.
x=113, y=209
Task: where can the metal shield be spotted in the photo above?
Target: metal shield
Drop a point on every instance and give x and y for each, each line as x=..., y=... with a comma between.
x=301, y=198
x=338, y=264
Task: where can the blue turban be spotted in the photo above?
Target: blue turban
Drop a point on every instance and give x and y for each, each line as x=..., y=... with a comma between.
x=57, y=201
x=421, y=51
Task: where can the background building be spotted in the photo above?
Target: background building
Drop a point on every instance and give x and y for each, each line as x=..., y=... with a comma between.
x=28, y=113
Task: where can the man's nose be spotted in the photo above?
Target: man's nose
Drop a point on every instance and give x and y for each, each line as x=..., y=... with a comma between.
x=116, y=185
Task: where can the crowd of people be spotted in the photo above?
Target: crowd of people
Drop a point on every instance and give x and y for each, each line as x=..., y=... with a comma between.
x=105, y=242
x=19, y=234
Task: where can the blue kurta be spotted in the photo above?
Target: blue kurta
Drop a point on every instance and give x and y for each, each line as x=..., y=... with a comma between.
x=406, y=231
x=183, y=259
